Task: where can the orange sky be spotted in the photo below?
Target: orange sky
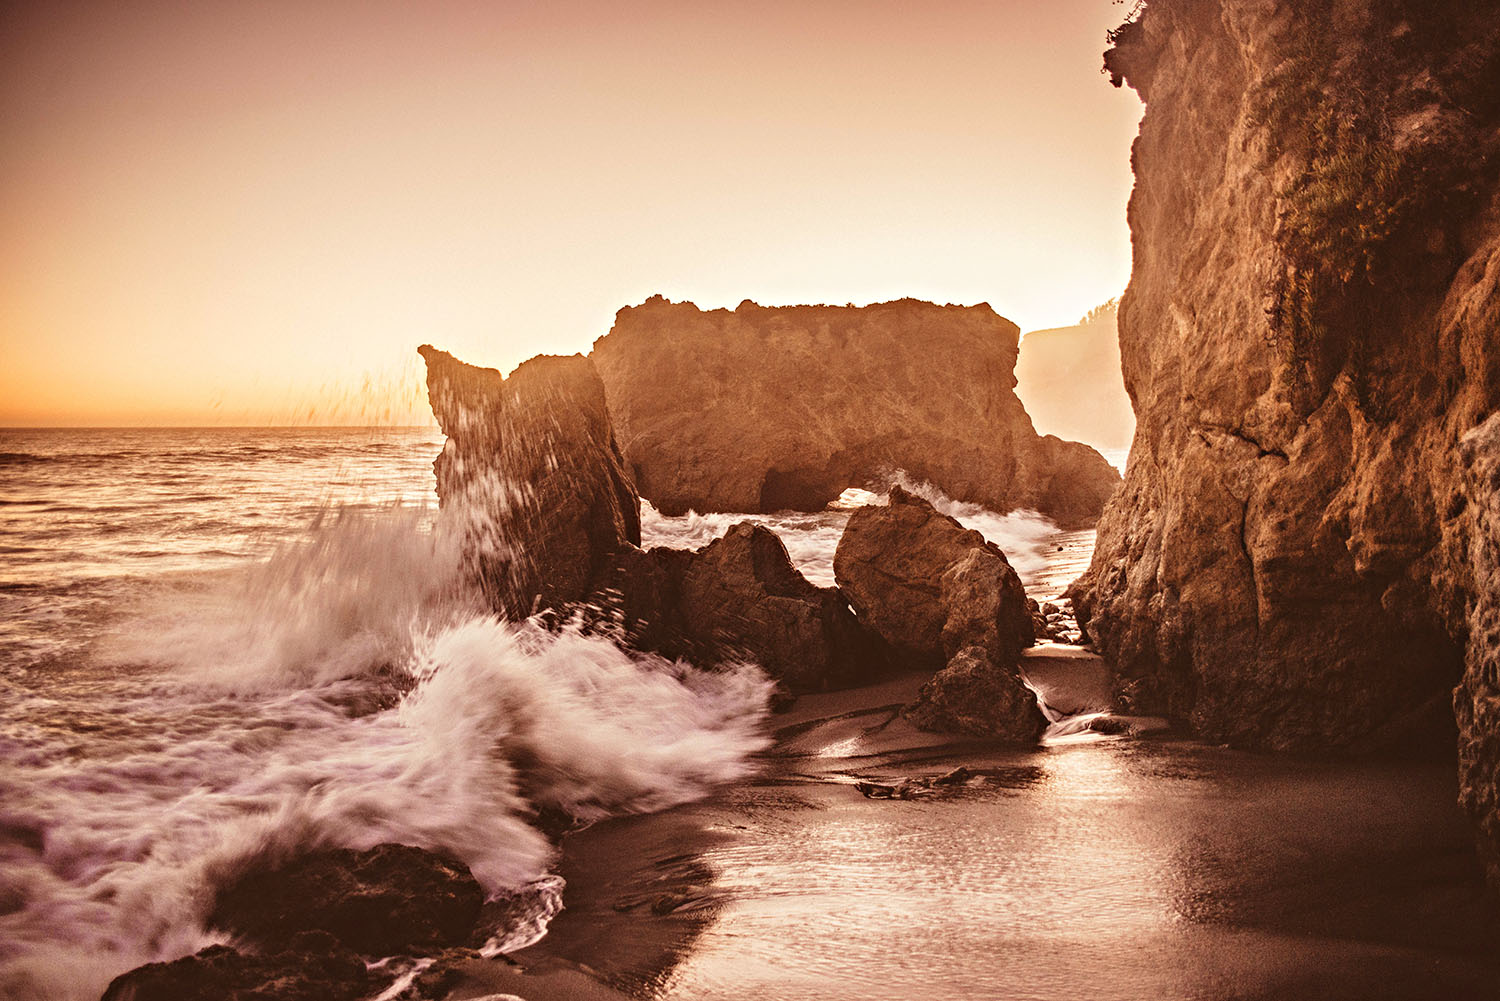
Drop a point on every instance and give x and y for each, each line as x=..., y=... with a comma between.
x=253, y=212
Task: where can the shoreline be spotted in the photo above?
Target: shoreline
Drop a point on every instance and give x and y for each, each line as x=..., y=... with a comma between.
x=1136, y=866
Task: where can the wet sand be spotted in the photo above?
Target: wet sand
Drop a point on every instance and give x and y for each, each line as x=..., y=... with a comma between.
x=1098, y=867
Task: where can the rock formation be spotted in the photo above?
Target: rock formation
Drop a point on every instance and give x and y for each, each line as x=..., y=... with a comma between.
x=1069, y=380
x=942, y=596
x=765, y=409
x=1297, y=558
x=740, y=598
x=532, y=469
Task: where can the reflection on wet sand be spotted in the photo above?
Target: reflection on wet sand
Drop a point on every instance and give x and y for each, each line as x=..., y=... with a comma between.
x=1156, y=868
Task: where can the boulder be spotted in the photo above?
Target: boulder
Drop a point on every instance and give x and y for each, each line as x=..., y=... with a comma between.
x=765, y=409
x=739, y=599
x=532, y=473
x=893, y=563
x=392, y=899
x=312, y=966
x=976, y=696
x=742, y=596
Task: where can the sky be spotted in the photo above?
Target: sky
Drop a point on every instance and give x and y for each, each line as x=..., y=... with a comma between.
x=252, y=212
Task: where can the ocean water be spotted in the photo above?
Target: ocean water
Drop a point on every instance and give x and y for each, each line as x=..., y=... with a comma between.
x=221, y=647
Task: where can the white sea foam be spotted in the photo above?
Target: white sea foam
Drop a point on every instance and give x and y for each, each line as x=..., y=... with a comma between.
x=255, y=734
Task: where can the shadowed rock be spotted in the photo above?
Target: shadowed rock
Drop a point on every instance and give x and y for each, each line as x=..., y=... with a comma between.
x=532, y=471
x=312, y=966
x=764, y=409
x=942, y=596
x=393, y=899
x=740, y=598
x=907, y=569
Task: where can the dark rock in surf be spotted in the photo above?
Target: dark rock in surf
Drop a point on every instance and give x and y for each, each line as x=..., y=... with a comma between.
x=976, y=696
x=739, y=599
x=532, y=471
x=742, y=596
x=312, y=966
x=763, y=409
x=390, y=900
x=927, y=585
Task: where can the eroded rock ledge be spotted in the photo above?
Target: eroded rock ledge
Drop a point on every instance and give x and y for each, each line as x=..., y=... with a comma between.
x=761, y=409
x=1301, y=555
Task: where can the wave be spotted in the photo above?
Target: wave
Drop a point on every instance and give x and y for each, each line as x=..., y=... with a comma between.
x=121, y=853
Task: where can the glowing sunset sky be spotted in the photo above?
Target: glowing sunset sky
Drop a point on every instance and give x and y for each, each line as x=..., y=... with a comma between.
x=244, y=212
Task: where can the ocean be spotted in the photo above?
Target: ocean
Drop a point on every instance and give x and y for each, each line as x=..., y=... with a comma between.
x=221, y=647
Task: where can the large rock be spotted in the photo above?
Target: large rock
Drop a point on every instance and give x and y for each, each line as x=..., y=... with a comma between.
x=533, y=473
x=763, y=409
x=393, y=899
x=941, y=596
x=312, y=966
x=1297, y=558
x=740, y=599
x=906, y=569
x=978, y=697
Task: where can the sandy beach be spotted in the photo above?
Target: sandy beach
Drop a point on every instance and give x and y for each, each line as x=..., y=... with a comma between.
x=1153, y=867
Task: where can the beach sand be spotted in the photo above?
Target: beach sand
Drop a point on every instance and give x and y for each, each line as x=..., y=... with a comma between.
x=1152, y=867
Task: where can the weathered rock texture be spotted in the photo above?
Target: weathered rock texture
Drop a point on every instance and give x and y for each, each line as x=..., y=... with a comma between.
x=740, y=599
x=1069, y=379
x=941, y=596
x=765, y=409
x=532, y=468
x=313, y=966
x=1296, y=559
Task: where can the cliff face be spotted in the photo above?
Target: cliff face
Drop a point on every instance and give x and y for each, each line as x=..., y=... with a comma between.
x=1302, y=553
x=1069, y=379
x=761, y=409
x=532, y=469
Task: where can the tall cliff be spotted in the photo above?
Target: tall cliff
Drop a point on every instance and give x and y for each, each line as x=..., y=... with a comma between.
x=1303, y=552
x=760, y=408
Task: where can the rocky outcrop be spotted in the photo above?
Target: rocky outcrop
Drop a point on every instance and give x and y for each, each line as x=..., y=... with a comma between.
x=764, y=409
x=390, y=900
x=740, y=599
x=1295, y=559
x=941, y=596
x=1069, y=380
x=1476, y=702
x=532, y=470
x=312, y=966
x=976, y=696
x=928, y=586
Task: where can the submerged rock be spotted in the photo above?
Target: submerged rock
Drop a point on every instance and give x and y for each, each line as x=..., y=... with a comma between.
x=765, y=409
x=533, y=473
x=312, y=966
x=390, y=900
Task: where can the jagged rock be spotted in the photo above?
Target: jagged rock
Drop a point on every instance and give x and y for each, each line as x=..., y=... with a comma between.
x=1476, y=702
x=742, y=595
x=740, y=598
x=533, y=473
x=1297, y=557
x=976, y=696
x=893, y=563
x=985, y=605
x=764, y=409
x=393, y=899
x=313, y=966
